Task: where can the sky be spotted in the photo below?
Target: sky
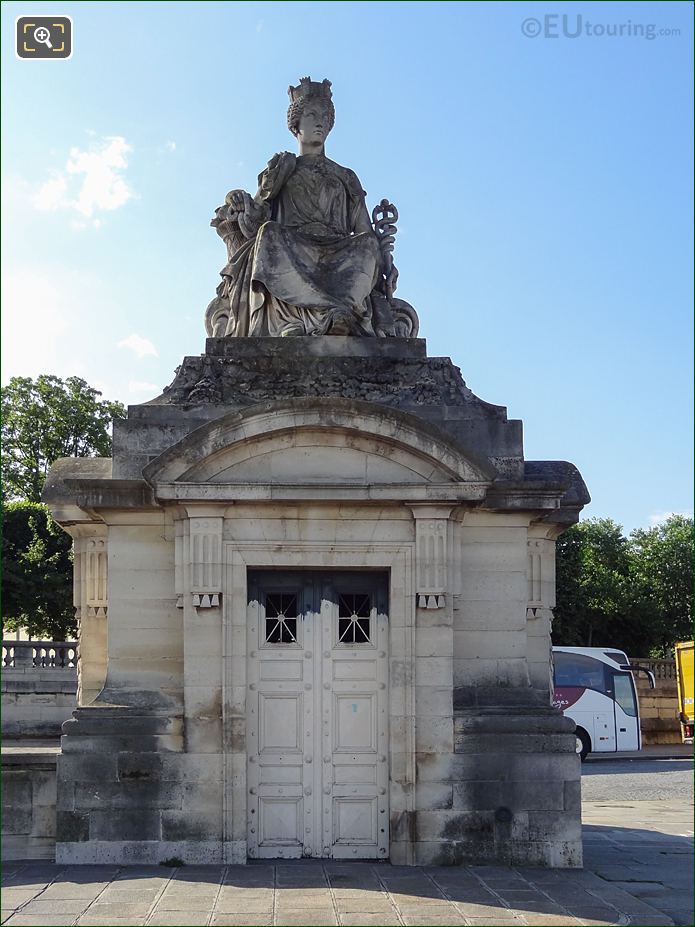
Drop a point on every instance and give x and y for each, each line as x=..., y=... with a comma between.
x=540, y=161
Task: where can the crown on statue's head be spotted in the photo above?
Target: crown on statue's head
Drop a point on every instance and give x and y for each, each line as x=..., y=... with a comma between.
x=310, y=88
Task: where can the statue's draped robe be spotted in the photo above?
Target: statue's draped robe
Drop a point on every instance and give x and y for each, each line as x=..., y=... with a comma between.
x=309, y=259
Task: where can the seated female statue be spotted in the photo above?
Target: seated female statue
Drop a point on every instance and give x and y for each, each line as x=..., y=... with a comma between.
x=304, y=258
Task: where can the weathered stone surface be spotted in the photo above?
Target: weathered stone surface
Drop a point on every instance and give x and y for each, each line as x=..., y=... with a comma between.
x=394, y=380
x=29, y=804
x=36, y=702
x=72, y=826
x=357, y=458
x=401, y=378
x=136, y=823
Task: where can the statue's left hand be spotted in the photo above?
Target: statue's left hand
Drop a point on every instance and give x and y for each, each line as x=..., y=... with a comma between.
x=245, y=211
x=239, y=200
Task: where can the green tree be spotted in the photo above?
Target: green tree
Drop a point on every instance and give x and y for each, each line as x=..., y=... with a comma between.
x=48, y=418
x=37, y=573
x=593, y=561
x=661, y=576
x=631, y=593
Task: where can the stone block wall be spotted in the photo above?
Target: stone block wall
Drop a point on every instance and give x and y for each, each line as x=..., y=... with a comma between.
x=35, y=700
x=145, y=634
x=28, y=805
x=132, y=807
x=505, y=788
x=517, y=793
x=659, y=706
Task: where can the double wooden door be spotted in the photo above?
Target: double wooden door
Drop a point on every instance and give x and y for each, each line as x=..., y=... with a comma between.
x=317, y=715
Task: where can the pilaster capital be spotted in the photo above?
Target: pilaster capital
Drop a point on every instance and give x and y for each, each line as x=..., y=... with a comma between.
x=431, y=552
x=198, y=556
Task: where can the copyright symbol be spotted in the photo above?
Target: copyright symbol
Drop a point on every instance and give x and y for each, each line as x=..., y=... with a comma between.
x=531, y=27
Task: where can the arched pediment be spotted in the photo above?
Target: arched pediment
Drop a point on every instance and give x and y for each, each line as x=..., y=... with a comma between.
x=317, y=441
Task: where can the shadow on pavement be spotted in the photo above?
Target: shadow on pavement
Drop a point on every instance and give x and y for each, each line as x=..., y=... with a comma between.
x=652, y=866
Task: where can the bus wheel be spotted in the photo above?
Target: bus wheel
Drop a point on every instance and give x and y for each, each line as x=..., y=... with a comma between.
x=583, y=743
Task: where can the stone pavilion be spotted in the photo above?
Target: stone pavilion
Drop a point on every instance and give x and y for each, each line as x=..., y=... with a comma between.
x=315, y=582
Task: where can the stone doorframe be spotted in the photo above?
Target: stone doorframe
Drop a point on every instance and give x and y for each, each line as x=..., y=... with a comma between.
x=398, y=560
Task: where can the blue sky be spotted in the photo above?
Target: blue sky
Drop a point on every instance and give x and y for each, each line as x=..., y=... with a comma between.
x=544, y=186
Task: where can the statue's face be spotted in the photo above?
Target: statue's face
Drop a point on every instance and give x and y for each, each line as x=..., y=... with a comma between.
x=313, y=124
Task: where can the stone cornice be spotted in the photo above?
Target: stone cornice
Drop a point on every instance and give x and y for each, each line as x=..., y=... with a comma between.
x=320, y=492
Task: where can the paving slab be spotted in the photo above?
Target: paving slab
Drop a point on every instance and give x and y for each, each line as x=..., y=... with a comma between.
x=174, y=919
x=638, y=871
x=494, y=922
x=41, y=920
x=87, y=921
x=13, y=898
x=240, y=920
x=369, y=920
x=308, y=918
x=424, y=920
x=58, y=907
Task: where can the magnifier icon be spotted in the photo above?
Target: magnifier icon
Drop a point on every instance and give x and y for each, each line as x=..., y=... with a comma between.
x=43, y=36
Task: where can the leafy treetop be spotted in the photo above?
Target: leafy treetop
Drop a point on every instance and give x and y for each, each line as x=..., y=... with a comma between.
x=634, y=592
x=48, y=418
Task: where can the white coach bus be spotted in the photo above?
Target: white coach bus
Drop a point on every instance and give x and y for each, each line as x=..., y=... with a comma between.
x=594, y=686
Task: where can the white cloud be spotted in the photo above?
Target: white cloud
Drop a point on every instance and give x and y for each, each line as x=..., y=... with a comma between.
x=170, y=146
x=259, y=25
x=141, y=386
x=92, y=181
x=53, y=194
x=142, y=347
x=660, y=517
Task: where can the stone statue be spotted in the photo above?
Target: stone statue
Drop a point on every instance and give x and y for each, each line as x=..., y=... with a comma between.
x=304, y=257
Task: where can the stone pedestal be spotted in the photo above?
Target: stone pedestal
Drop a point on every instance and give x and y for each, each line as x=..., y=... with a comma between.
x=303, y=461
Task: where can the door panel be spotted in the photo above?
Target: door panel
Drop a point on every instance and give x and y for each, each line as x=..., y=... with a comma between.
x=318, y=716
x=355, y=821
x=279, y=723
x=277, y=671
x=280, y=821
x=355, y=723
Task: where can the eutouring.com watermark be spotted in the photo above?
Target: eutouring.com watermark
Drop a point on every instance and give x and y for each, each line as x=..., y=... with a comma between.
x=576, y=26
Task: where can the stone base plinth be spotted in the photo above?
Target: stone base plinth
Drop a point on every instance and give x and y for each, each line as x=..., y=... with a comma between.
x=516, y=796
x=128, y=794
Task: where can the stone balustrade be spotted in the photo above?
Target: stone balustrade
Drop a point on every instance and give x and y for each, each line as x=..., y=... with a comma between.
x=39, y=686
x=662, y=669
x=43, y=654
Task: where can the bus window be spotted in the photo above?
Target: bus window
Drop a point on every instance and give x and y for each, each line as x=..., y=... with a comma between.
x=625, y=694
x=616, y=655
x=574, y=669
